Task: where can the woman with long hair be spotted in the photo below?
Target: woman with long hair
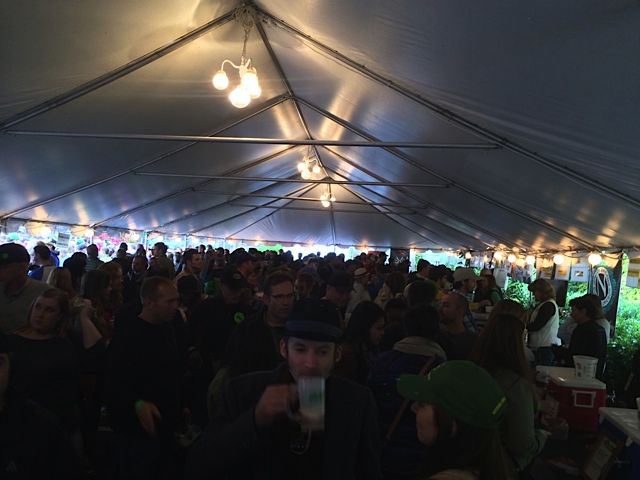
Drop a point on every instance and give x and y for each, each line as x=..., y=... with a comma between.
x=393, y=287
x=458, y=408
x=360, y=342
x=543, y=322
x=500, y=351
x=60, y=277
x=491, y=293
x=96, y=287
x=48, y=357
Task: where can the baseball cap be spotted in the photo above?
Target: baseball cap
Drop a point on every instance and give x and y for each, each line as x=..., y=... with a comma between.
x=463, y=389
x=465, y=273
x=11, y=253
x=312, y=319
x=242, y=257
x=341, y=281
x=310, y=271
x=233, y=279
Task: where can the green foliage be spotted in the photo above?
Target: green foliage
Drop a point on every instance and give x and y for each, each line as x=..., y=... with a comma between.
x=518, y=291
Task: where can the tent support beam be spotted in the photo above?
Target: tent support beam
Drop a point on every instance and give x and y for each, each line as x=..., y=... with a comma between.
x=419, y=200
x=381, y=183
x=253, y=140
x=456, y=119
x=417, y=212
x=191, y=189
x=221, y=205
x=324, y=210
x=284, y=79
x=304, y=191
x=276, y=101
x=306, y=199
x=113, y=75
x=444, y=179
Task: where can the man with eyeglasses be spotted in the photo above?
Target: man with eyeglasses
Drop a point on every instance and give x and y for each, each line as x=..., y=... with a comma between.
x=253, y=435
x=278, y=299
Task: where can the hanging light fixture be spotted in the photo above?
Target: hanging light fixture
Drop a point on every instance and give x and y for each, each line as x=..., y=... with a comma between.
x=511, y=258
x=89, y=233
x=595, y=258
x=498, y=255
x=310, y=164
x=558, y=259
x=327, y=197
x=249, y=87
x=467, y=255
x=530, y=260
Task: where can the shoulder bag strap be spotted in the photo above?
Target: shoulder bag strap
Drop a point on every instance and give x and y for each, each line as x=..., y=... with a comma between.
x=404, y=405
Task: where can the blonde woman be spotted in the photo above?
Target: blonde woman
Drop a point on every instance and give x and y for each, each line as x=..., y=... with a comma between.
x=543, y=322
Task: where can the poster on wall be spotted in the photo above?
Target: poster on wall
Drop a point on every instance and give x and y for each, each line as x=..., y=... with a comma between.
x=545, y=272
x=604, y=281
x=580, y=273
x=562, y=272
x=634, y=271
x=399, y=255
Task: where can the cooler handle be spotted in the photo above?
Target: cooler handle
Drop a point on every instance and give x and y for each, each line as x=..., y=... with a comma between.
x=592, y=396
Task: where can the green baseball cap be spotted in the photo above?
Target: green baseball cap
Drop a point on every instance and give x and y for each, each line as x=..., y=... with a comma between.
x=466, y=391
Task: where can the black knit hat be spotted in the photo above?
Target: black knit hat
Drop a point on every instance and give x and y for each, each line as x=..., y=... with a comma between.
x=312, y=319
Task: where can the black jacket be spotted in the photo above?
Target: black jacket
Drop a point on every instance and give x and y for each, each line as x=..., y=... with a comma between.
x=233, y=447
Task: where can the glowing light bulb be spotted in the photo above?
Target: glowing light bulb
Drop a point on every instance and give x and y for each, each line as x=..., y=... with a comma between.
x=558, y=259
x=302, y=166
x=45, y=231
x=240, y=97
x=467, y=255
x=498, y=255
x=89, y=232
x=530, y=260
x=511, y=258
x=323, y=197
x=595, y=258
x=250, y=79
x=255, y=91
x=316, y=169
x=134, y=236
x=220, y=80
x=325, y=204
x=306, y=174
x=333, y=199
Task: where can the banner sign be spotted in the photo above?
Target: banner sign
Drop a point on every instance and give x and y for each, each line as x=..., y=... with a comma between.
x=604, y=281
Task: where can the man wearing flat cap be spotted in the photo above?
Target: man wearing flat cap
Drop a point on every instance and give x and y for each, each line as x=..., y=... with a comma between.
x=257, y=433
x=17, y=290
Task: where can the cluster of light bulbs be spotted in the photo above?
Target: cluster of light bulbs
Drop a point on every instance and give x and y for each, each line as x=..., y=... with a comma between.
x=307, y=167
x=247, y=89
x=327, y=198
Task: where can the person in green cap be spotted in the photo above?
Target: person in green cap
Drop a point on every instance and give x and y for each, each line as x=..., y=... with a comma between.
x=458, y=408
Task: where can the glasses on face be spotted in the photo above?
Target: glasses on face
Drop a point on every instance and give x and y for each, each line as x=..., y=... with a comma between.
x=283, y=296
x=300, y=442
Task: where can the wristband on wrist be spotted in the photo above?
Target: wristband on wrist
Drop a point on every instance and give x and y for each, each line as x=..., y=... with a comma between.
x=138, y=405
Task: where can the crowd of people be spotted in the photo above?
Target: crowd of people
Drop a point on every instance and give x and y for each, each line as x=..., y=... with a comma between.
x=192, y=364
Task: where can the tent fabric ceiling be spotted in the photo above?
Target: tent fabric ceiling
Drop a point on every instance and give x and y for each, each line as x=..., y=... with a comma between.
x=495, y=125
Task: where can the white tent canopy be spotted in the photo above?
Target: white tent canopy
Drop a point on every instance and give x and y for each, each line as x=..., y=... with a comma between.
x=444, y=124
